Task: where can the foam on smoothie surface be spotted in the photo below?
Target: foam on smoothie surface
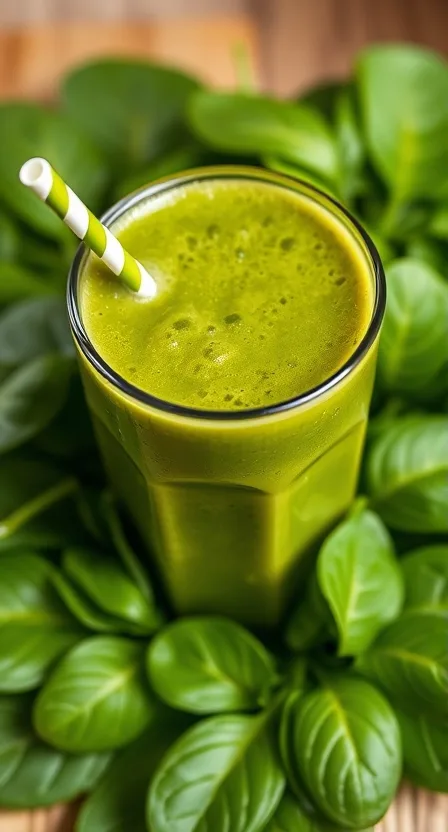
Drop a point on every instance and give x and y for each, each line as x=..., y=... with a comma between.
x=263, y=295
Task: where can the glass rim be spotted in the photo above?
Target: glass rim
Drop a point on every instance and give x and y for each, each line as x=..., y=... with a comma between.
x=221, y=172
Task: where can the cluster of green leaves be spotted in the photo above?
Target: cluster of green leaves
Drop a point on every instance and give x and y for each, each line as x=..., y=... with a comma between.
x=196, y=725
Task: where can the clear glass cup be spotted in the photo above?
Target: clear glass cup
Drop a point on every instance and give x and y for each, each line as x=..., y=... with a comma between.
x=231, y=505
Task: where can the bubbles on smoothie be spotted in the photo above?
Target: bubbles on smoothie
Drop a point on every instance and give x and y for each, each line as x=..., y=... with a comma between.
x=287, y=243
x=211, y=329
x=340, y=281
x=240, y=254
x=283, y=301
x=234, y=318
x=213, y=231
x=182, y=323
x=192, y=242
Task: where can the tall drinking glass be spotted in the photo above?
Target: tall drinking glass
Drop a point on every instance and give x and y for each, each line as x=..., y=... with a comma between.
x=230, y=504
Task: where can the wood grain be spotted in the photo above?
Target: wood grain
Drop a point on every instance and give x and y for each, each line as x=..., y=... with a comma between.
x=304, y=41
x=32, y=59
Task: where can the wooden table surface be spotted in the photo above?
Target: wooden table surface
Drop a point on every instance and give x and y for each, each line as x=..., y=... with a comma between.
x=292, y=42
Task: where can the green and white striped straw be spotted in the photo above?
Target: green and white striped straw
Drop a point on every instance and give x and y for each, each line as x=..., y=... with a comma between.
x=38, y=175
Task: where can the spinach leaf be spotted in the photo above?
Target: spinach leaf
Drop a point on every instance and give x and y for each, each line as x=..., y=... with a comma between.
x=409, y=661
x=34, y=509
x=97, y=698
x=403, y=94
x=221, y=774
x=249, y=125
x=69, y=438
x=35, y=629
x=425, y=573
x=32, y=328
x=345, y=747
x=407, y=474
x=210, y=665
x=425, y=750
x=289, y=169
x=290, y=817
x=173, y=161
x=414, y=344
x=33, y=774
x=30, y=130
x=107, y=584
x=117, y=804
x=83, y=609
x=30, y=397
x=310, y=622
x=123, y=548
x=361, y=580
x=350, y=143
x=438, y=227
x=130, y=109
x=432, y=252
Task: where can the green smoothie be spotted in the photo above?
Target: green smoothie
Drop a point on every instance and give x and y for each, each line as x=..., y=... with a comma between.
x=265, y=291
x=262, y=296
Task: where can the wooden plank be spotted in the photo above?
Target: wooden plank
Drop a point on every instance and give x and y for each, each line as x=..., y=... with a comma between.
x=304, y=42
x=32, y=59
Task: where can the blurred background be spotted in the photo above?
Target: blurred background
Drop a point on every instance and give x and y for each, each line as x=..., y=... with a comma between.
x=296, y=42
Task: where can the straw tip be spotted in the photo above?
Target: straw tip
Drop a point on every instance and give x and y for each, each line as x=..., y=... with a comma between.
x=148, y=286
x=32, y=171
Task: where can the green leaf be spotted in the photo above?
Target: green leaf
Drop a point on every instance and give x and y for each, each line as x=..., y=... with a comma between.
x=117, y=804
x=345, y=747
x=173, y=161
x=438, y=226
x=97, y=698
x=248, y=124
x=18, y=283
x=33, y=774
x=30, y=397
x=350, y=143
x=83, y=609
x=425, y=750
x=409, y=661
x=414, y=344
x=432, y=252
x=222, y=774
x=130, y=109
x=210, y=665
x=28, y=130
x=35, y=629
x=290, y=817
x=310, y=622
x=289, y=169
x=407, y=474
x=106, y=583
x=33, y=328
x=34, y=507
x=361, y=580
x=425, y=573
x=404, y=101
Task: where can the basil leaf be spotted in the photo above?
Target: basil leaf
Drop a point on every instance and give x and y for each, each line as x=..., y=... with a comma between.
x=414, y=344
x=425, y=750
x=409, y=661
x=106, y=583
x=407, y=474
x=96, y=698
x=210, y=665
x=221, y=774
x=28, y=130
x=248, y=124
x=30, y=398
x=32, y=328
x=361, y=580
x=35, y=629
x=425, y=573
x=290, y=817
x=404, y=101
x=117, y=804
x=130, y=109
x=346, y=749
x=33, y=774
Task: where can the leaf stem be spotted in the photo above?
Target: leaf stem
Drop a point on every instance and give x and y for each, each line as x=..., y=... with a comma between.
x=36, y=506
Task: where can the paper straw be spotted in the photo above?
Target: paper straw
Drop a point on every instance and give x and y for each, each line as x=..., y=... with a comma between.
x=38, y=175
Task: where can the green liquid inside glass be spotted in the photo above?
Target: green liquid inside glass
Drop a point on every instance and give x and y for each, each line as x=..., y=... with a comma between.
x=263, y=296
x=265, y=291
